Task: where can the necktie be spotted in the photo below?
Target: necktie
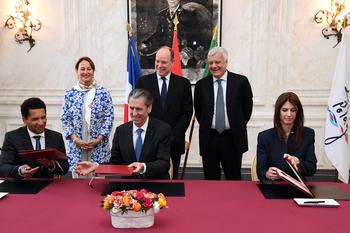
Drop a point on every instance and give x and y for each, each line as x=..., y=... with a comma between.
x=163, y=92
x=220, y=109
x=37, y=142
x=138, y=146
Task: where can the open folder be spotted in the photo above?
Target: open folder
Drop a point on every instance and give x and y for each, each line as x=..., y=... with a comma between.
x=104, y=169
x=299, y=184
x=50, y=153
x=111, y=170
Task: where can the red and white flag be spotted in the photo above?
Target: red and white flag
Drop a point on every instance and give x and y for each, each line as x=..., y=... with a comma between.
x=176, y=69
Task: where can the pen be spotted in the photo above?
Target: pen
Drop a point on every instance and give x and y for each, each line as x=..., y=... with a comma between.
x=313, y=202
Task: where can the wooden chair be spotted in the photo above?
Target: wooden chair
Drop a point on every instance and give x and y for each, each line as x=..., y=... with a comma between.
x=171, y=170
x=254, y=175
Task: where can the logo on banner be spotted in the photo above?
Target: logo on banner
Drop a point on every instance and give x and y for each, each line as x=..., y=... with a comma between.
x=338, y=118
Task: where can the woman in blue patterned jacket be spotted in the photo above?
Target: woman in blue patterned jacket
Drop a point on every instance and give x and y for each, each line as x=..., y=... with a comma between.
x=87, y=118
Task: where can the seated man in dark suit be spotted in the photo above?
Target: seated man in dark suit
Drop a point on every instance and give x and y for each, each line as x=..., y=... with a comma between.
x=143, y=143
x=33, y=135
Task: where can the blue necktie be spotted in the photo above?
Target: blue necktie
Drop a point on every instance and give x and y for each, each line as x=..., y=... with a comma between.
x=138, y=146
x=163, y=92
x=37, y=142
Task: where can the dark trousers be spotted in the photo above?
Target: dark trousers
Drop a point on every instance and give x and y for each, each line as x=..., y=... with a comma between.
x=221, y=151
x=175, y=158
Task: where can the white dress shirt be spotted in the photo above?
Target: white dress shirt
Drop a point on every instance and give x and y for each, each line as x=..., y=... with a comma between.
x=143, y=134
x=42, y=145
x=160, y=82
x=32, y=139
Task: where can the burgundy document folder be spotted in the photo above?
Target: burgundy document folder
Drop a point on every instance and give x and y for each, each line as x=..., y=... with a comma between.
x=50, y=153
x=104, y=169
x=299, y=184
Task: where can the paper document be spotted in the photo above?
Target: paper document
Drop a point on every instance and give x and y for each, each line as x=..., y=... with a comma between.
x=3, y=194
x=316, y=202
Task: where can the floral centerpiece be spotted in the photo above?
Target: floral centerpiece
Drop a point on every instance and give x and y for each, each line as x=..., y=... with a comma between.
x=133, y=208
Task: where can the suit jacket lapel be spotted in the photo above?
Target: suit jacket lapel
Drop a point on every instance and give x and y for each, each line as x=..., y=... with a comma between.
x=27, y=142
x=48, y=140
x=155, y=88
x=130, y=143
x=171, y=92
x=210, y=94
x=230, y=90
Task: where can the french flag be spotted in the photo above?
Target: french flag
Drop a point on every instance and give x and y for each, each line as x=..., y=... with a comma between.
x=134, y=72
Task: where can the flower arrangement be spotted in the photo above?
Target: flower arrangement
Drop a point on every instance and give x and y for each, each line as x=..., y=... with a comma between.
x=142, y=200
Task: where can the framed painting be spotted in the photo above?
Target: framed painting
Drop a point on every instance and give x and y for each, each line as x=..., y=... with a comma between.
x=152, y=24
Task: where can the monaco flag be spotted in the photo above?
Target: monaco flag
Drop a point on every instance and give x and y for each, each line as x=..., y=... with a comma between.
x=337, y=124
x=176, y=69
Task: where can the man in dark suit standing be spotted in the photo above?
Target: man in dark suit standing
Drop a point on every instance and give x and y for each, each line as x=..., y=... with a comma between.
x=172, y=101
x=32, y=136
x=223, y=106
x=143, y=143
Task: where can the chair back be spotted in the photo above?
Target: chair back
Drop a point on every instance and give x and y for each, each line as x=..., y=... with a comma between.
x=171, y=170
x=254, y=175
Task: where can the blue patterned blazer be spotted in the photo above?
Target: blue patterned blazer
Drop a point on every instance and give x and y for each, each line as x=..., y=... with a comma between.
x=102, y=116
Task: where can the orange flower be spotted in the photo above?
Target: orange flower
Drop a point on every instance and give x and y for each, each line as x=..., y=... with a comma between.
x=108, y=201
x=161, y=200
x=137, y=206
x=126, y=200
x=106, y=204
x=134, y=200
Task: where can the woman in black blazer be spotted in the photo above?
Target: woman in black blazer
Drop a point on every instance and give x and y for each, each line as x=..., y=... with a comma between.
x=288, y=139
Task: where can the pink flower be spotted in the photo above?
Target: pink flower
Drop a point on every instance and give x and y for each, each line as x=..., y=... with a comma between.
x=116, y=193
x=139, y=196
x=147, y=203
x=143, y=191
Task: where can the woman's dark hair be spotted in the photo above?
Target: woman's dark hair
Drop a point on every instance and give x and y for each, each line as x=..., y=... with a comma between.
x=85, y=59
x=299, y=119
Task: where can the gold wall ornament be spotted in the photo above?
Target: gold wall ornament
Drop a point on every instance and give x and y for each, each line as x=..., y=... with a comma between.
x=24, y=23
x=336, y=19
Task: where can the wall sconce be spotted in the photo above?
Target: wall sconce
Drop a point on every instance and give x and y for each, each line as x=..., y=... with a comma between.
x=336, y=20
x=24, y=24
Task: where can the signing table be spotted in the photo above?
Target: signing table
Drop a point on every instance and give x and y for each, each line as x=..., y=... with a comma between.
x=68, y=205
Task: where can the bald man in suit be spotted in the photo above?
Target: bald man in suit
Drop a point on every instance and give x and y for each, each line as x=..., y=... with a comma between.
x=176, y=108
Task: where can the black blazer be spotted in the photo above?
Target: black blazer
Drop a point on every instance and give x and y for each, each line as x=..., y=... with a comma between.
x=155, y=151
x=18, y=140
x=239, y=105
x=271, y=148
x=178, y=108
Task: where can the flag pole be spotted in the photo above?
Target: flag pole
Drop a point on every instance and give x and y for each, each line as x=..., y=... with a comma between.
x=336, y=179
x=188, y=147
x=176, y=68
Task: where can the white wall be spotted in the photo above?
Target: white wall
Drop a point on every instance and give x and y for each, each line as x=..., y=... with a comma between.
x=275, y=43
